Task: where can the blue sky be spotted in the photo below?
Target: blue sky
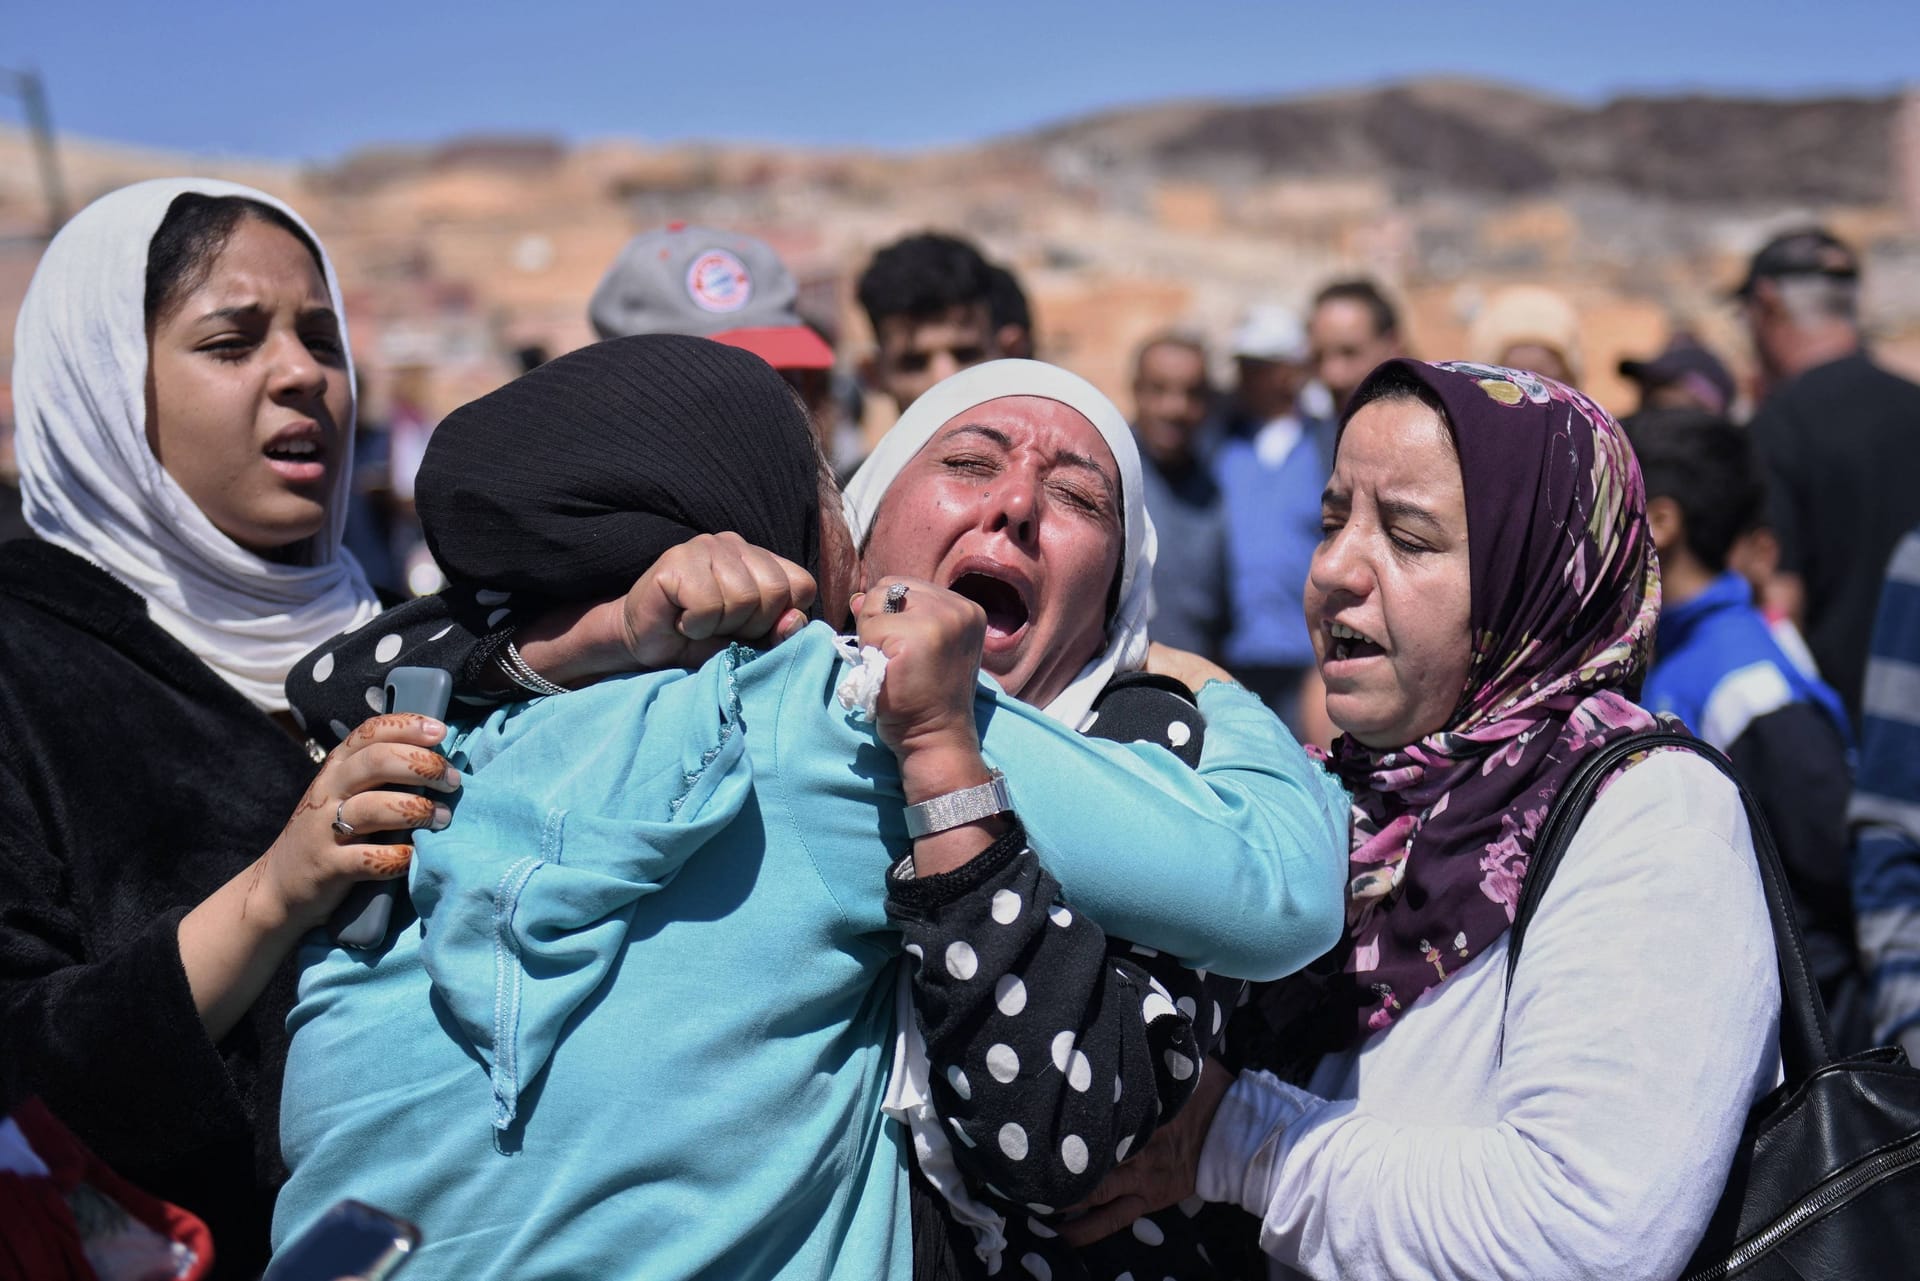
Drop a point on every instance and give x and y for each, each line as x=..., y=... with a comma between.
x=316, y=81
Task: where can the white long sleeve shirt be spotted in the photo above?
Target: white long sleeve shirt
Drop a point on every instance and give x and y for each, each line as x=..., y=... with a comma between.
x=1642, y=1025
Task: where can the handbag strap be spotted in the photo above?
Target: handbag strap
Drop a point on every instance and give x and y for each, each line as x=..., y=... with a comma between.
x=1805, y=1045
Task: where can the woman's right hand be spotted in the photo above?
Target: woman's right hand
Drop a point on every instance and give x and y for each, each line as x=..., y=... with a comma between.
x=309, y=869
x=698, y=598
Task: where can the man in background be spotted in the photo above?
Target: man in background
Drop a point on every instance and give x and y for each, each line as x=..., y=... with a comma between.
x=1352, y=328
x=1271, y=469
x=929, y=299
x=1171, y=398
x=1012, y=317
x=1840, y=437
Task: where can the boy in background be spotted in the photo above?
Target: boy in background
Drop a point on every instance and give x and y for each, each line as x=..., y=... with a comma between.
x=929, y=299
x=1718, y=667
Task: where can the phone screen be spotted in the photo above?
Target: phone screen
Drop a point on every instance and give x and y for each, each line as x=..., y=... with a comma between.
x=351, y=1242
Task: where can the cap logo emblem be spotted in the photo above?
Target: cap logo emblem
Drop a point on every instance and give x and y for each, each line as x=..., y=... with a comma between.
x=718, y=281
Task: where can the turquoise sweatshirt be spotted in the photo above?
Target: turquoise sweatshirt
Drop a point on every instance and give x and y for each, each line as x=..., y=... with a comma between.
x=643, y=1025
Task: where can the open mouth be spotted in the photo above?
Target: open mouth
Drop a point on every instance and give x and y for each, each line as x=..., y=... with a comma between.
x=1344, y=643
x=298, y=457
x=302, y=450
x=1006, y=608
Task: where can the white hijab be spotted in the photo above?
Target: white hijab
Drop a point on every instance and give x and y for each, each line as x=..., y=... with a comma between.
x=909, y=1100
x=1126, y=648
x=90, y=483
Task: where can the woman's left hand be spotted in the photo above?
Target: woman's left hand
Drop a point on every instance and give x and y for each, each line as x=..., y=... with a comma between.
x=1164, y=1172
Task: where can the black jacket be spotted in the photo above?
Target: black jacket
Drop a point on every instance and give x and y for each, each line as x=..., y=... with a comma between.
x=133, y=783
x=1841, y=444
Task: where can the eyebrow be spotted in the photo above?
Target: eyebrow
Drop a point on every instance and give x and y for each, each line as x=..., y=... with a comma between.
x=1412, y=513
x=993, y=434
x=1392, y=508
x=1065, y=458
x=248, y=311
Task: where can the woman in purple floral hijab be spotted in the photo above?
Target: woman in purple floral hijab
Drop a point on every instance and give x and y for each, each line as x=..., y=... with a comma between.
x=1564, y=594
x=1482, y=603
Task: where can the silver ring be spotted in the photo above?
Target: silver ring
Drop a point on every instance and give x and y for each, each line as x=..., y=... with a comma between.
x=896, y=599
x=340, y=824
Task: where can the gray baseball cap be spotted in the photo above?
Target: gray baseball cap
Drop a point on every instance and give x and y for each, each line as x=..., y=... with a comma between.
x=707, y=284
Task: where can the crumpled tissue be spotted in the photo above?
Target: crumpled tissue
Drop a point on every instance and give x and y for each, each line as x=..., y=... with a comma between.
x=859, y=689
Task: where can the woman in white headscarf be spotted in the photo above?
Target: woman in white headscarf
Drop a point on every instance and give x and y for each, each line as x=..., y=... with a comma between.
x=185, y=419
x=1072, y=675
x=983, y=488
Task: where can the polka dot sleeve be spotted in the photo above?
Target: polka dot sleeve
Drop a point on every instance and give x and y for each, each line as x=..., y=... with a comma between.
x=1053, y=1052
x=342, y=682
x=1043, y=1080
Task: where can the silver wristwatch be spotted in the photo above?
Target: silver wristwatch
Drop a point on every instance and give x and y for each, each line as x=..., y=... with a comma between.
x=964, y=806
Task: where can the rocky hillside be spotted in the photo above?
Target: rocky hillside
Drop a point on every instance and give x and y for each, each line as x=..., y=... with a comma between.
x=1641, y=211
x=1439, y=136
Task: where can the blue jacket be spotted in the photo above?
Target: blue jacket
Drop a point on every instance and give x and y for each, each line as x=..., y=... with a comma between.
x=643, y=1026
x=1718, y=667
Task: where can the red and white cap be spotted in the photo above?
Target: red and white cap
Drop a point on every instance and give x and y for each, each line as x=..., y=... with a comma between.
x=708, y=284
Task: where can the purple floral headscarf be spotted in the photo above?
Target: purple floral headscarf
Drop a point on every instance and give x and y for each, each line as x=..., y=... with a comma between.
x=1565, y=595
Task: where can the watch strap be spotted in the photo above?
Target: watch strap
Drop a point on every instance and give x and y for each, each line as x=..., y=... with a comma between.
x=967, y=805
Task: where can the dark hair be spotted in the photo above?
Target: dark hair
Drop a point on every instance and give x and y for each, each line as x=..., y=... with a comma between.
x=191, y=236
x=922, y=277
x=1385, y=319
x=1707, y=466
x=1179, y=338
x=1006, y=300
x=1396, y=380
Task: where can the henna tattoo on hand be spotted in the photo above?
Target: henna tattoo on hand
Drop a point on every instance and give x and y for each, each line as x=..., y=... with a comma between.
x=428, y=765
x=386, y=860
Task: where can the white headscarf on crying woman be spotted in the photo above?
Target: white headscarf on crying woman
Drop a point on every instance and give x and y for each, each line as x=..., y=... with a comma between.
x=89, y=480
x=1126, y=645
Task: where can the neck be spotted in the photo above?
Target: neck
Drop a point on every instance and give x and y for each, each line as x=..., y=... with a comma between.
x=1683, y=578
x=1171, y=460
x=1811, y=346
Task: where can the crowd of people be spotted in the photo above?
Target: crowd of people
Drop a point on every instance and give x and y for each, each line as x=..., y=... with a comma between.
x=1055, y=842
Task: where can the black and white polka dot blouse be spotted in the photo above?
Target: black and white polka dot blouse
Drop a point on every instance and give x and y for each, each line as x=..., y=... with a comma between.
x=1055, y=1052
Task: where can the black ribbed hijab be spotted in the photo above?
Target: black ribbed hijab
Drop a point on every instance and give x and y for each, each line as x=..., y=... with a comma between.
x=568, y=482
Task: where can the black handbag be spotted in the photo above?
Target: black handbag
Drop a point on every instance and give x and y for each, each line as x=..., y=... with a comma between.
x=1826, y=1179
